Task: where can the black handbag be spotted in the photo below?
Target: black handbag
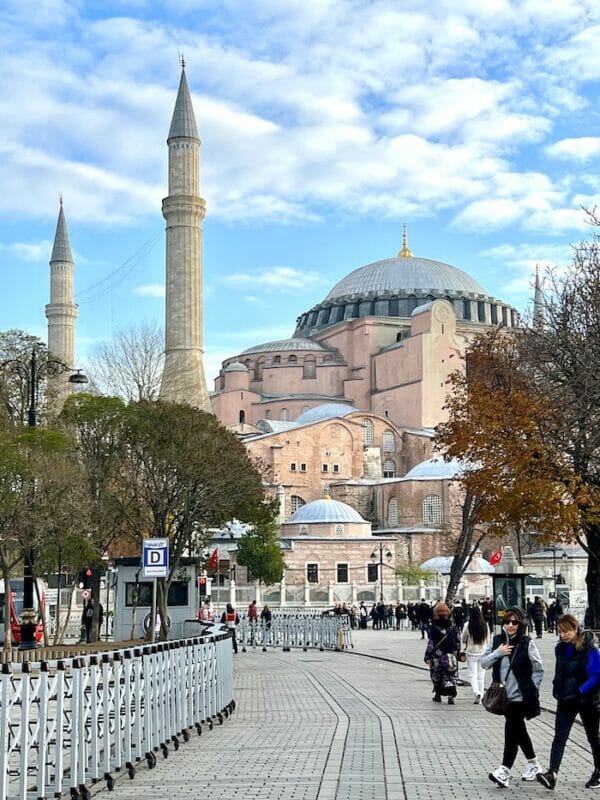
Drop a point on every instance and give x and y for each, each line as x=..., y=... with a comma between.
x=495, y=699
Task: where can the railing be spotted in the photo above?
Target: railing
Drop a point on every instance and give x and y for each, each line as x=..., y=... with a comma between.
x=296, y=630
x=65, y=725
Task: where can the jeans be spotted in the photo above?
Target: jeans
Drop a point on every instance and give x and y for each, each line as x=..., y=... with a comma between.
x=515, y=735
x=565, y=717
x=476, y=674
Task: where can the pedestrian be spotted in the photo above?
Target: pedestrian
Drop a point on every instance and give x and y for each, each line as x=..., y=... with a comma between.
x=423, y=614
x=576, y=688
x=487, y=609
x=230, y=618
x=515, y=662
x=266, y=617
x=458, y=616
x=473, y=642
x=87, y=619
x=441, y=654
x=364, y=615
x=538, y=612
x=252, y=620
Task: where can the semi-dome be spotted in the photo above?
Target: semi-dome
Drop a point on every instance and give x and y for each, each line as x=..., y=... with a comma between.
x=443, y=565
x=325, y=510
x=295, y=343
x=394, y=287
x=324, y=411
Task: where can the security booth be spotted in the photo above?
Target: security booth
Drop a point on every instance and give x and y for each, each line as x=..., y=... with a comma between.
x=133, y=599
x=508, y=585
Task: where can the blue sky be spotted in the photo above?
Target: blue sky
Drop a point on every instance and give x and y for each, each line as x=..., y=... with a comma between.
x=325, y=125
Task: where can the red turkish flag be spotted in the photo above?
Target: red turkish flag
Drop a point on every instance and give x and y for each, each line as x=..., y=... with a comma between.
x=496, y=558
x=213, y=561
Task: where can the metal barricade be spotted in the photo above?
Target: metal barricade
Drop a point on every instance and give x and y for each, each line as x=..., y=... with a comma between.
x=67, y=724
x=295, y=630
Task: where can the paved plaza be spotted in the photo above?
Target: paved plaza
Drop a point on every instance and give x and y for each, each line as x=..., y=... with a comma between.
x=353, y=725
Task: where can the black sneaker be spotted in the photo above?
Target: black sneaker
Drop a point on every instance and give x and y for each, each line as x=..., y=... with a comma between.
x=547, y=779
x=450, y=701
x=436, y=698
x=594, y=781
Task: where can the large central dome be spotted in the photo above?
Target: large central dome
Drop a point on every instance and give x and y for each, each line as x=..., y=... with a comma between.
x=404, y=274
x=394, y=287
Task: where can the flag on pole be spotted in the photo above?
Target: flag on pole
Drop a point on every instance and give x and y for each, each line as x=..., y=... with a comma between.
x=496, y=558
x=213, y=561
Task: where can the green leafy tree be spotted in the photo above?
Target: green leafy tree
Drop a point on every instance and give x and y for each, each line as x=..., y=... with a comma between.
x=412, y=575
x=259, y=549
x=16, y=346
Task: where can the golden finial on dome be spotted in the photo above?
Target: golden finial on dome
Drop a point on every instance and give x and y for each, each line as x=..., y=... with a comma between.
x=405, y=252
x=326, y=495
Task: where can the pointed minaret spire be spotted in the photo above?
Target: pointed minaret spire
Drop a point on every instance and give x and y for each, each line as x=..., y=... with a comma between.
x=61, y=312
x=538, y=302
x=405, y=252
x=183, y=378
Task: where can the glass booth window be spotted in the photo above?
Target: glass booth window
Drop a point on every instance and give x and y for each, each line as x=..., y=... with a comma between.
x=178, y=594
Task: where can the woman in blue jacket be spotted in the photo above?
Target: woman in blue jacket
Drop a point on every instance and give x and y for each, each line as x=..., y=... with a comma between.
x=576, y=688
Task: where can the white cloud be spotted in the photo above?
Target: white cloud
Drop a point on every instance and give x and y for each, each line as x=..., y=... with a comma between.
x=274, y=278
x=150, y=290
x=580, y=148
x=27, y=251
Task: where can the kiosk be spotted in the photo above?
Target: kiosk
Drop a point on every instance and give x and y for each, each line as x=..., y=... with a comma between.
x=508, y=585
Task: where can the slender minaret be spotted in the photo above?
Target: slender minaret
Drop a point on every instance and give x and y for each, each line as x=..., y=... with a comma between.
x=183, y=378
x=61, y=311
x=538, y=302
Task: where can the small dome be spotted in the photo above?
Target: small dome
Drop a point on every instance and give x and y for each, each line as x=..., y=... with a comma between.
x=324, y=411
x=436, y=469
x=326, y=510
x=296, y=343
x=443, y=565
x=236, y=366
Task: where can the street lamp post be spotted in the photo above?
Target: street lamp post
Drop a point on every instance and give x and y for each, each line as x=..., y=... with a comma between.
x=33, y=372
x=388, y=555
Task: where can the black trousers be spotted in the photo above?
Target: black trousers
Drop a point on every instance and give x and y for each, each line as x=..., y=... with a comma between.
x=565, y=717
x=516, y=735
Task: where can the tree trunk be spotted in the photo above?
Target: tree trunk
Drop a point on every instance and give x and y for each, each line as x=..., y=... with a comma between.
x=7, y=626
x=592, y=578
x=465, y=547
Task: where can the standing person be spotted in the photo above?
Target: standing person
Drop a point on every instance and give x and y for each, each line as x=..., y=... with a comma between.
x=458, y=616
x=441, y=654
x=576, y=688
x=473, y=642
x=516, y=662
x=230, y=618
x=252, y=620
x=487, y=609
x=538, y=613
x=364, y=615
x=87, y=619
x=423, y=614
x=266, y=618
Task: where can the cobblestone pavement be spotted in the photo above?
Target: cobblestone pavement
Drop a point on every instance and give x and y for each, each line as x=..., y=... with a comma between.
x=353, y=725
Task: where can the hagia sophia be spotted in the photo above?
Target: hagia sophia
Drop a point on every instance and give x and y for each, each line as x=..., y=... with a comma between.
x=342, y=414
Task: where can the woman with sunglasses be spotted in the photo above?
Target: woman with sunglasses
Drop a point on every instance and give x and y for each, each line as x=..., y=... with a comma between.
x=576, y=687
x=515, y=661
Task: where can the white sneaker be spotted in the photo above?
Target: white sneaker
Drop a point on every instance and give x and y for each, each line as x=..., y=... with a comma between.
x=501, y=776
x=530, y=771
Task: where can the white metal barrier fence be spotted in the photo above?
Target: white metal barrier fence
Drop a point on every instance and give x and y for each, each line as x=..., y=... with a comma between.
x=67, y=724
x=296, y=630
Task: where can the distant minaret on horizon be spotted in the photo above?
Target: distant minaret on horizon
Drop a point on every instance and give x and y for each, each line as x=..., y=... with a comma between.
x=183, y=378
x=61, y=311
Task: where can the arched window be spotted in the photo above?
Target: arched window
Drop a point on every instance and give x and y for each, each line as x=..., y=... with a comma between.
x=292, y=360
x=368, y=426
x=276, y=360
x=284, y=415
x=304, y=408
x=268, y=413
x=389, y=442
x=296, y=502
x=309, y=367
x=303, y=530
x=389, y=469
x=433, y=510
x=242, y=417
x=393, y=513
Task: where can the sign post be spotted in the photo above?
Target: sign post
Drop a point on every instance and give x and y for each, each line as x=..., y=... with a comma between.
x=155, y=564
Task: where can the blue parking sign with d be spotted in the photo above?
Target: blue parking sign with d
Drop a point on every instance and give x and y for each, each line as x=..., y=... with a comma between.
x=155, y=558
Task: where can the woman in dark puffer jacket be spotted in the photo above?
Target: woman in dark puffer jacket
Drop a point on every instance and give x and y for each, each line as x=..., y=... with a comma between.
x=576, y=687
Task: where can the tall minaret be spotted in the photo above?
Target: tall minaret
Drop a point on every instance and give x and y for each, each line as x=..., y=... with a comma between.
x=183, y=378
x=61, y=312
x=538, y=302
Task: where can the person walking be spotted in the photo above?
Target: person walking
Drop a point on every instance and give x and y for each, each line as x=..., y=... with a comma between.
x=230, y=618
x=266, y=617
x=87, y=619
x=423, y=613
x=538, y=613
x=576, y=688
x=364, y=615
x=252, y=621
x=473, y=642
x=441, y=654
x=515, y=662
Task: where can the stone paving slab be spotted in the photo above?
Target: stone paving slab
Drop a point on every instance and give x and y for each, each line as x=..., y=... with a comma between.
x=343, y=726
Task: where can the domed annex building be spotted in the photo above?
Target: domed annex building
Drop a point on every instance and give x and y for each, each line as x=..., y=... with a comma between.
x=349, y=403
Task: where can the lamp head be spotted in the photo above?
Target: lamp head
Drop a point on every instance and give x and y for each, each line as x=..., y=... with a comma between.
x=78, y=377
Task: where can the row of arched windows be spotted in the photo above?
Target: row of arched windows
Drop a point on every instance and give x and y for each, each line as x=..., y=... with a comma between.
x=309, y=365
x=432, y=510
x=388, y=439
